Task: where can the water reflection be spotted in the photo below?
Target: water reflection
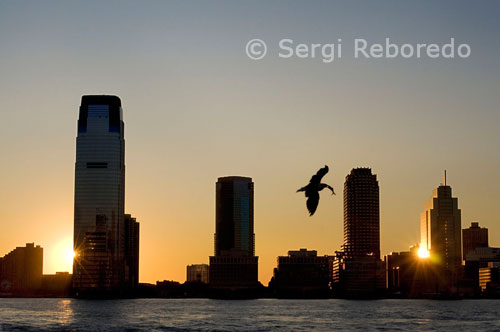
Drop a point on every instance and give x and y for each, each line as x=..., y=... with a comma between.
x=106, y=313
x=65, y=312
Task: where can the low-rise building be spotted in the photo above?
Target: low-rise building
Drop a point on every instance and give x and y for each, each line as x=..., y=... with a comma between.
x=197, y=273
x=233, y=271
x=489, y=279
x=21, y=271
x=302, y=274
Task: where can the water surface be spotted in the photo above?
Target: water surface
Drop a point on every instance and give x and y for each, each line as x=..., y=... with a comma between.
x=251, y=315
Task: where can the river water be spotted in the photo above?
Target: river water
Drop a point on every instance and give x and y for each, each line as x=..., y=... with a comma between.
x=248, y=315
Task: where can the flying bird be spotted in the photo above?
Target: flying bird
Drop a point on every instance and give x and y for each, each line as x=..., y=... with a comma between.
x=313, y=188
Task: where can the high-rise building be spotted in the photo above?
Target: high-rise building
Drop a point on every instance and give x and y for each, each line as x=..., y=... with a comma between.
x=474, y=237
x=21, y=271
x=234, y=215
x=99, y=230
x=234, y=264
x=440, y=226
x=361, y=214
x=358, y=270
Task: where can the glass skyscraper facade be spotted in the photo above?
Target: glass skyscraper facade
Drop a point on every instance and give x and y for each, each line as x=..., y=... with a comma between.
x=99, y=232
x=234, y=222
x=234, y=264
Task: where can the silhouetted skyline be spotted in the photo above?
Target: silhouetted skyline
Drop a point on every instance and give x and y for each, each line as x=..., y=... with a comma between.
x=197, y=108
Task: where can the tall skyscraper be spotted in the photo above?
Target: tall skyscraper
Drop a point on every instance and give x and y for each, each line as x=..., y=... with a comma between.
x=99, y=232
x=234, y=215
x=441, y=226
x=361, y=214
x=474, y=237
x=358, y=270
x=234, y=264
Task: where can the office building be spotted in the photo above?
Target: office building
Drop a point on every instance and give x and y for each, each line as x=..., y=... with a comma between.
x=361, y=214
x=234, y=264
x=483, y=255
x=358, y=270
x=362, y=277
x=56, y=285
x=94, y=263
x=302, y=274
x=132, y=250
x=234, y=215
x=398, y=278
x=106, y=261
x=440, y=226
x=233, y=271
x=197, y=273
x=474, y=237
x=489, y=279
x=479, y=258
x=410, y=276
x=21, y=271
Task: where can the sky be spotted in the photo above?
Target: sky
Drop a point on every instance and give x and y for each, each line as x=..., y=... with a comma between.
x=197, y=108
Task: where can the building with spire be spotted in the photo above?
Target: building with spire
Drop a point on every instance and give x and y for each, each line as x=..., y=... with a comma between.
x=440, y=230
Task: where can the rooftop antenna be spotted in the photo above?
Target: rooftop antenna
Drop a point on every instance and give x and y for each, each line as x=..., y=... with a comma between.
x=445, y=178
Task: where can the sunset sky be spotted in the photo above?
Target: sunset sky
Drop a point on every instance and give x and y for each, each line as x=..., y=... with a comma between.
x=196, y=108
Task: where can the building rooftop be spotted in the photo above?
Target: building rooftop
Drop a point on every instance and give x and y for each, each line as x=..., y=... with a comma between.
x=234, y=178
x=101, y=99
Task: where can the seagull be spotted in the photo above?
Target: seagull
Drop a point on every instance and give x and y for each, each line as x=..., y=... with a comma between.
x=313, y=188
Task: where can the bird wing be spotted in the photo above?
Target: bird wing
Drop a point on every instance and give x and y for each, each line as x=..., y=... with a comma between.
x=312, y=202
x=316, y=178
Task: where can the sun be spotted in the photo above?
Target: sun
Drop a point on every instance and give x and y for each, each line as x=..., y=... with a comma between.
x=60, y=256
x=423, y=253
x=69, y=255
